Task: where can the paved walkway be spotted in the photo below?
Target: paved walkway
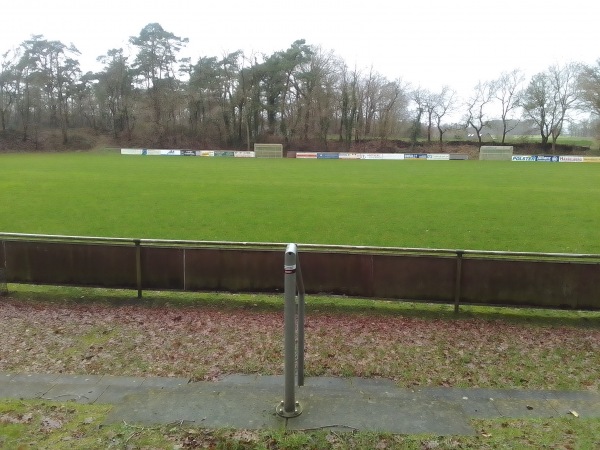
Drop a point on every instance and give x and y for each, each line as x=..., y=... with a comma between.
x=242, y=401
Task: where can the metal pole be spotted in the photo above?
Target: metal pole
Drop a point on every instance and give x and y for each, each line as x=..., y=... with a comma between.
x=459, y=255
x=138, y=266
x=289, y=407
x=300, y=324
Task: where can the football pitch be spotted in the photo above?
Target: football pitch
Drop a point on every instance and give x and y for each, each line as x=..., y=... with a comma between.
x=485, y=205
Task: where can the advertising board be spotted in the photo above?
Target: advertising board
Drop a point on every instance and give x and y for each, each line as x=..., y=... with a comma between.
x=349, y=155
x=570, y=158
x=544, y=158
x=306, y=155
x=328, y=155
x=438, y=156
x=245, y=154
x=224, y=154
x=131, y=151
x=523, y=158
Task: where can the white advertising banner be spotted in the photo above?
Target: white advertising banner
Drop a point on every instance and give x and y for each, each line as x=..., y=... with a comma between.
x=131, y=151
x=245, y=154
x=170, y=152
x=392, y=156
x=570, y=158
x=306, y=155
x=523, y=158
x=438, y=156
x=349, y=155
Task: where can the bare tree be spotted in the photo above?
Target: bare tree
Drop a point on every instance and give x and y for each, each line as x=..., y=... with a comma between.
x=444, y=103
x=589, y=84
x=477, y=108
x=506, y=91
x=419, y=97
x=549, y=97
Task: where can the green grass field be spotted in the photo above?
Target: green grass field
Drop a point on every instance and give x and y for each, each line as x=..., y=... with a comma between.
x=456, y=204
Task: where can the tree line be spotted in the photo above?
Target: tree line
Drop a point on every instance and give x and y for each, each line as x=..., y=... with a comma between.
x=300, y=94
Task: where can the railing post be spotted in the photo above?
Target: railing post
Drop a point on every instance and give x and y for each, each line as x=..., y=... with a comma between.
x=289, y=407
x=138, y=266
x=457, y=286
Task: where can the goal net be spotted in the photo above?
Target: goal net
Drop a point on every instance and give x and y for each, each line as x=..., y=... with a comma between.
x=496, y=152
x=268, y=150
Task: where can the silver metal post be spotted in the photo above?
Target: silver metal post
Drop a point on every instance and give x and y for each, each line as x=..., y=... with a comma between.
x=457, y=286
x=300, y=325
x=289, y=407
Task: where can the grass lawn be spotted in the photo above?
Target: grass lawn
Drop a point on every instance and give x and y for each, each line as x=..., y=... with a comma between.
x=456, y=204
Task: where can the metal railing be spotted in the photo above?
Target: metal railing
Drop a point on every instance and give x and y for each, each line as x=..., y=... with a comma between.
x=293, y=323
x=415, y=274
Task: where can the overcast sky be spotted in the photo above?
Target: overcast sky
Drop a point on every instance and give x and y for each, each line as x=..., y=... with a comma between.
x=427, y=43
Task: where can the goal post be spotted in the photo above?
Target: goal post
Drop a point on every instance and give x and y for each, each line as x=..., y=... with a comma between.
x=268, y=150
x=496, y=152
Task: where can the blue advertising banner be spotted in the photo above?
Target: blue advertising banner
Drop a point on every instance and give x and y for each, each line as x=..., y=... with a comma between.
x=547, y=158
x=328, y=155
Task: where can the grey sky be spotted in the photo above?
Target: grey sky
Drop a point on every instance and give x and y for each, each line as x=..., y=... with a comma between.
x=428, y=43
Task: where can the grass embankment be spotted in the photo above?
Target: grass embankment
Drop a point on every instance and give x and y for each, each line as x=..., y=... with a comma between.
x=470, y=205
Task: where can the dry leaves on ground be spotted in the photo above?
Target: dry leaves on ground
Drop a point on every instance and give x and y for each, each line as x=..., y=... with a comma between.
x=205, y=343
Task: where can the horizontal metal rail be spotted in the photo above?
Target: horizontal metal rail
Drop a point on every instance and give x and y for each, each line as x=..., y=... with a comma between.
x=304, y=247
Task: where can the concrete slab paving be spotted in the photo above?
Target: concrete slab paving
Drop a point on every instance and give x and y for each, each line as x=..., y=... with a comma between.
x=517, y=408
x=33, y=378
x=584, y=409
x=373, y=413
x=249, y=401
x=25, y=390
x=78, y=392
x=78, y=379
x=164, y=382
x=202, y=404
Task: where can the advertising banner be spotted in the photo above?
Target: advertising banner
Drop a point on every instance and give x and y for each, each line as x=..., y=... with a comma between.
x=246, y=154
x=327, y=155
x=188, y=153
x=131, y=151
x=392, y=156
x=570, y=158
x=542, y=158
x=151, y=152
x=306, y=155
x=594, y=159
x=170, y=152
x=523, y=158
x=438, y=156
x=371, y=156
x=415, y=156
x=349, y=155
x=207, y=153
x=224, y=154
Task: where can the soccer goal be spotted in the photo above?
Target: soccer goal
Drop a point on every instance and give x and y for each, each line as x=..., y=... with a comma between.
x=268, y=150
x=496, y=152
